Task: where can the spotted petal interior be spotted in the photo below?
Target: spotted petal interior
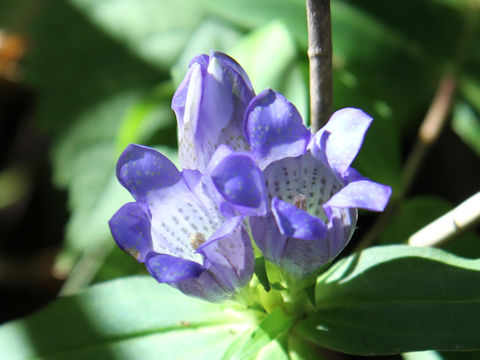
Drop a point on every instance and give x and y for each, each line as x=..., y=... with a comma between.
x=274, y=128
x=297, y=223
x=305, y=175
x=188, y=118
x=142, y=170
x=230, y=255
x=177, y=214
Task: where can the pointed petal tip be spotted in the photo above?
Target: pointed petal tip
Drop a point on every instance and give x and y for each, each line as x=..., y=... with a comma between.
x=230, y=63
x=201, y=59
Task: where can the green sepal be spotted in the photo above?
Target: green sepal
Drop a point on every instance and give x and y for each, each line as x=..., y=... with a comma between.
x=261, y=272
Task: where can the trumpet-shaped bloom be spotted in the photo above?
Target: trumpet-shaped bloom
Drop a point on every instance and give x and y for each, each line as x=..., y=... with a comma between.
x=209, y=105
x=248, y=160
x=177, y=230
x=312, y=192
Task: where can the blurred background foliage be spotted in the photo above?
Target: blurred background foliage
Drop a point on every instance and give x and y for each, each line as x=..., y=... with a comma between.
x=81, y=79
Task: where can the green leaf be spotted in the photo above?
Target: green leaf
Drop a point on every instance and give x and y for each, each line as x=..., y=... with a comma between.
x=295, y=87
x=149, y=114
x=422, y=355
x=261, y=272
x=437, y=38
x=129, y=318
x=442, y=355
x=118, y=264
x=211, y=34
x=379, y=157
x=394, y=299
x=275, y=349
x=84, y=161
x=251, y=342
x=252, y=14
x=466, y=124
x=300, y=348
x=368, y=53
x=269, y=56
x=156, y=30
x=363, y=79
x=81, y=106
x=265, y=54
x=89, y=66
x=378, y=59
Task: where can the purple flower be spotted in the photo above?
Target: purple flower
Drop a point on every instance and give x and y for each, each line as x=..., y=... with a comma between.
x=313, y=193
x=209, y=105
x=235, y=183
x=249, y=162
x=177, y=230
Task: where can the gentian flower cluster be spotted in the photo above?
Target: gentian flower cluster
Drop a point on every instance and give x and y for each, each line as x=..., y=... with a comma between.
x=252, y=174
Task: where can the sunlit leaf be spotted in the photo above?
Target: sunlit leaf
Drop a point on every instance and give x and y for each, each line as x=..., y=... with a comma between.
x=265, y=54
x=290, y=12
x=211, y=34
x=269, y=56
x=148, y=115
x=85, y=161
x=466, y=124
x=442, y=355
x=156, y=30
x=249, y=344
x=393, y=299
x=74, y=66
x=130, y=318
x=303, y=349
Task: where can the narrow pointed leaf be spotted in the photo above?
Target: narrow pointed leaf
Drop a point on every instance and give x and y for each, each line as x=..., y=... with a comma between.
x=261, y=272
